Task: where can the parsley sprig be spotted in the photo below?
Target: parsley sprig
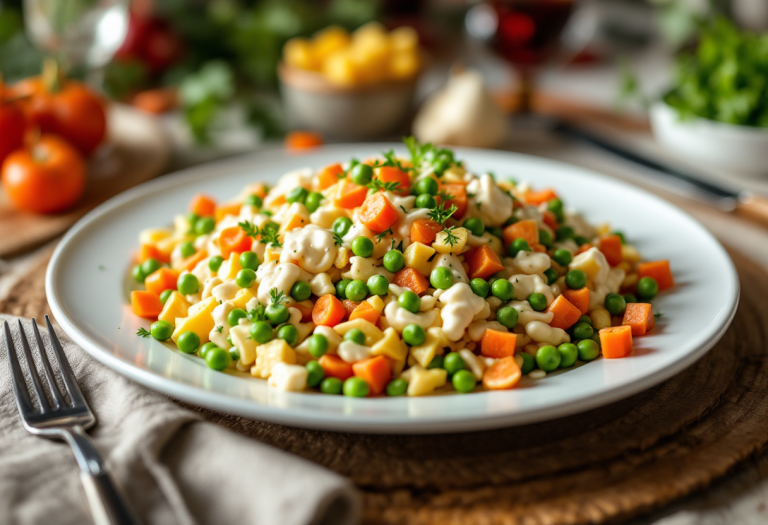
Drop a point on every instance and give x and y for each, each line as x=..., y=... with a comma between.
x=258, y=314
x=440, y=214
x=277, y=297
x=143, y=332
x=430, y=157
x=450, y=238
x=377, y=185
x=266, y=235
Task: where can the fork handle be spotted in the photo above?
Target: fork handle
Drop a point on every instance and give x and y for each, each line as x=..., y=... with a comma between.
x=108, y=506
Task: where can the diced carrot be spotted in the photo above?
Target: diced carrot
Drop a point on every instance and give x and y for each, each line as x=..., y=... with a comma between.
x=349, y=307
x=259, y=189
x=202, y=205
x=550, y=219
x=148, y=251
x=227, y=209
x=458, y=198
x=301, y=140
x=538, y=197
x=365, y=311
x=305, y=307
x=329, y=176
x=334, y=366
x=565, y=313
x=540, y=248
x=498, y=344
x=233, y=239
x=390, y=174
x=411, y=278
x=146, y=304
x=425, y=231
x=377, y=213
x=639, y=317
x=483, y=262
x=328, y=311
x=616, y=341
x=659, y=270
x=504, y=374
x=578, y=298
x=610, y=245
x=160, y=280
x=527, y=229
x=190, y=262
x=583, y=248
x=376, y=371
x=350, y=195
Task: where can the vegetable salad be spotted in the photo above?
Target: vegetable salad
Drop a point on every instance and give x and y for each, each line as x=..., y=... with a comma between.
x=394, y=276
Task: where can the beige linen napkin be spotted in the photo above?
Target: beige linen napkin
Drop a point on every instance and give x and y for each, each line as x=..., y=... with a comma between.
x=173, y=467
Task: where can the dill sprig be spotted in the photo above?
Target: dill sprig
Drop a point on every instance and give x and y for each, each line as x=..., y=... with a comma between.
x=258, y=314
x=377, y=185
x=143, y=332
x=266, y=235
x=439, y=214
x=383, y=234
x=337, y=240
x=277, y=297
x=450, y=238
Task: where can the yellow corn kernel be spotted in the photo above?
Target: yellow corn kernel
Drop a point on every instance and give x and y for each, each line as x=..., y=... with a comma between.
x=390, y=346
x=175, y=307
x=417, y=257
x=199, y=320
x=458, y=236
x=342, y=257
x=601, y=318
x=271, y=353
x=298, y=52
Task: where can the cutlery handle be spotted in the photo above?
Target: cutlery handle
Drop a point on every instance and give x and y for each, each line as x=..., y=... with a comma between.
x=108, y=506
x=754, y=207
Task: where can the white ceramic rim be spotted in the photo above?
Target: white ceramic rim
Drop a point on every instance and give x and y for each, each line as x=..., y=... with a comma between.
x=717, y=129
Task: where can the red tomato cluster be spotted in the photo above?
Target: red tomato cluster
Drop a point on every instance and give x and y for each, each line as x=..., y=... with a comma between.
x=151, y=41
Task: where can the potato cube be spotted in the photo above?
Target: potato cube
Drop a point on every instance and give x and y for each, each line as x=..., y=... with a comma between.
x=391, y=346
x=422, y=381
x=432, y=346
x=269, y=354
x=452, y=241
x=417, y=257
x=199, y=320
x=175, y=307
x=230, y=267
x=152, y=236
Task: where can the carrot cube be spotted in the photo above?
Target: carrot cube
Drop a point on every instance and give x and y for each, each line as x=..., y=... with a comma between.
x=160, y=280
x=660, y=271
x=365, y=311
x=578, y=298
x=498, y=344
x=202, y=205
x=616, y=341
x=411, y=278
x=565, y=313
x=610, y=245
x=376, y=371
x=334, y=366
x=527, y=229
x=639, y=317
x=146, y=304
x=483, y=262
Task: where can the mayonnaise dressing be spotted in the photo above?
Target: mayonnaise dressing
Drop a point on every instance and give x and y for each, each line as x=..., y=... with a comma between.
x=398, y=317
x=311, y=248
x=461, y=305
x=364, y=268
x=489, y=203
x=221, y=326
x=452, y=262
x=282, y=277
x=525, y=285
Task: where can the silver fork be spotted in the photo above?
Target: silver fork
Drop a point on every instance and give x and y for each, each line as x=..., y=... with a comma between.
x=66, y=422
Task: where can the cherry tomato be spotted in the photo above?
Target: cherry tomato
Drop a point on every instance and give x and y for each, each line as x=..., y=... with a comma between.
x=152, y=41
x=13, y=123
x=47, y=177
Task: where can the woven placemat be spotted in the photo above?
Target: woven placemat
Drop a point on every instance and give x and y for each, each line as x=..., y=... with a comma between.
x=605, y=465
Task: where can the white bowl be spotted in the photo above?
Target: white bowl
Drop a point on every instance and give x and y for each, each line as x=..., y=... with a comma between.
x=742, y=149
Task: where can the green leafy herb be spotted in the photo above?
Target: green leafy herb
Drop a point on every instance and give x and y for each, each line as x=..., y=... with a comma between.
x=268, y=235
x=398, y=246
x=658, y=314
x=383, y=234
x=376, y=185
x=428, y=157
x=219, y=328
x=250, y=229
x=258, y=314
x=450, y=238
x=143, y=332
x=337, y=240
x=277, y=297
x=439, y=214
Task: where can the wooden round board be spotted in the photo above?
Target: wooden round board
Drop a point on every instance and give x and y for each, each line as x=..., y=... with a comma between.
x=137, y=150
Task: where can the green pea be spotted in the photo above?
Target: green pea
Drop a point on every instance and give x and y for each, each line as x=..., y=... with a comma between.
x=580, y=240
x=161, y=330
x=341, y=226
x=427, y=185
x=378, y=285
x=164, y=295
x=205, y=225
x=496, y=231
x=289, y=334
x=187, y=284
x=480, y=287
x=206, y=347
x=475, y=225
x=630, y=298
x=356, y=291
x=249, y=260
x=262, y=332
x=453, y=362
x=464, y=381
x=545, y=238
x=583, y=331
x=394, y=261
x=235, y=315
x=441, y=278
x=217, y=358
x=361, y=174
x=551, y=275
x=507, y=316
x=331, y=385
x=315, y=374
x=318, y=345
x=425, y=200
x=297, y=195
x=518, y=245
x=615, y=304
x=575, y=279
x=556, y=206
x=596, y=338
x=192, y=218
x=355, y=386
x=397, y=387
x=568, y=354
x=529, y=363
x=538, y=302
x=313, y=201
x=245, y=278
x=234, y=354
x=138, y=274
x=410, y=301
x=187, y=249
x=548, y=358
x=150, y=266
x=253, y=200
x=437, y=362
x=341, y=288
x=503, y=289
x=647, y=288
x=564, y=232
x=588, y=350
x=301, y=291
x=414, y=335
x=188, y=342
x=356, y=336
x=214, y=263
x=562, y=257
x=362, y=247
x=277, y=314
x=585, y=319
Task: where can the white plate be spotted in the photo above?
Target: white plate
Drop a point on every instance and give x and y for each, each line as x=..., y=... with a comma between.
x=86, y=289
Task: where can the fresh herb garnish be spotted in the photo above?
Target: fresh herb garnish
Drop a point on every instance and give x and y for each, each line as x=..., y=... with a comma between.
x=249, y=229
x=439, y=214
x=658, y=314
x=429, y=157
x=277, y=297
x=265, y=235
x=258, y=314
x=219, y=328
x=383, y=234
x=337, y=240
x=377, y=185
x=398, y=247
x=450, y=238
x=143, y=332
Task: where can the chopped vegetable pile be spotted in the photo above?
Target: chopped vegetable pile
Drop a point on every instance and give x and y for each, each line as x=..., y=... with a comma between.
x=393, y=276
